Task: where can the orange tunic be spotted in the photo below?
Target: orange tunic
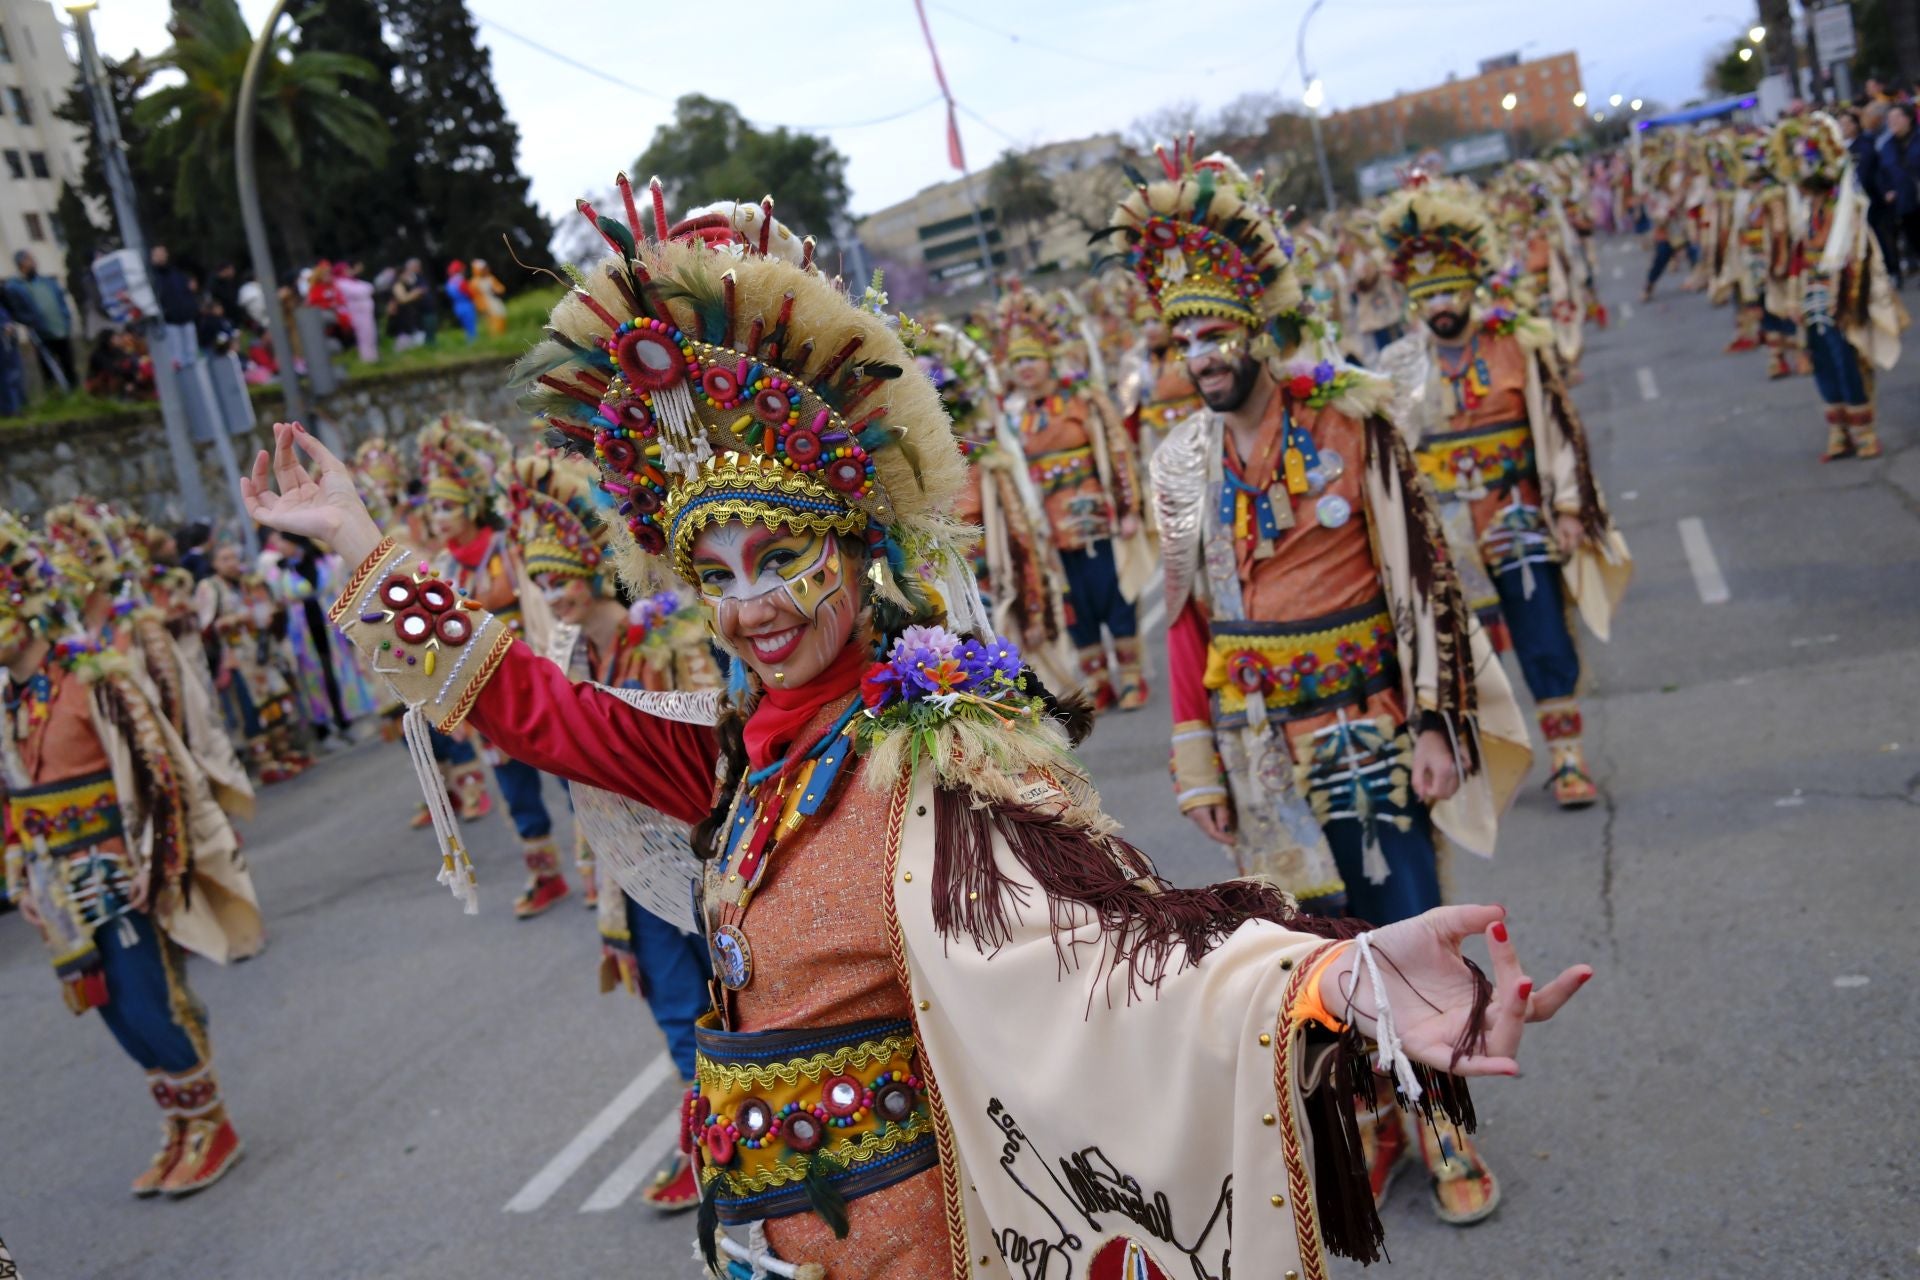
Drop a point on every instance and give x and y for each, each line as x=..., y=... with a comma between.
x=1058, y=440
x=822, y=957
x=1501, y=402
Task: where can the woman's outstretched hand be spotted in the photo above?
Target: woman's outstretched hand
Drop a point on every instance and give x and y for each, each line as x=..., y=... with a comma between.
x=1431, y=991
x=320, y=503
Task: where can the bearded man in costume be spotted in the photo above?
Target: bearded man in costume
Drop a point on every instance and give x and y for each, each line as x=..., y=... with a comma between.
x=1155, y=391
x=1495, y=431
x=1081, y=462
x=939, y=970
x=117, y=853
x=1333, y=701
x=1849, y=311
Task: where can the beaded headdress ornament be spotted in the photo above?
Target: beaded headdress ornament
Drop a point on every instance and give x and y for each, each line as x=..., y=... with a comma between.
x=1437, y=240
x=715, y=374
x=27, y=577
x=555, y=521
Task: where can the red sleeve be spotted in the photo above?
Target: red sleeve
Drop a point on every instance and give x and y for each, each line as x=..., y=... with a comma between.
x=531, y=711
x=1187, y=642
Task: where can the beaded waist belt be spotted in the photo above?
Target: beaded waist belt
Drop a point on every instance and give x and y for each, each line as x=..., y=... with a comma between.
x=1062, y=469
x=1477, y=459
x=76, y=813
x=783, y=1120
x=1300, y=668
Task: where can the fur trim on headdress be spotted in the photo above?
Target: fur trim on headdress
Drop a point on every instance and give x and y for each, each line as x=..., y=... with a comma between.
x=1438, y=240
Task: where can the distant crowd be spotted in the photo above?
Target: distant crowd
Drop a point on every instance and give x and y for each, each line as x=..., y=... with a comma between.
x=45, y=344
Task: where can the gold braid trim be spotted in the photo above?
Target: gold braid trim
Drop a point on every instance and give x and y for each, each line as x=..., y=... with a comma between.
x=768, y=511
x=1287, y=1038
x=852, y=1154
x=961, y=1255
x=734, y=1076
x=189, y=1014
x=502, y=642
x=358, y=582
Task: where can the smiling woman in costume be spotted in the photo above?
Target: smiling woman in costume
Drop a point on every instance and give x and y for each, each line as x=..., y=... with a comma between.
x=909, y=884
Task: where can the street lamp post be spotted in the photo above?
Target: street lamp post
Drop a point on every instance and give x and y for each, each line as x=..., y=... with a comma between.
x=126, y=213
x=1313, y=96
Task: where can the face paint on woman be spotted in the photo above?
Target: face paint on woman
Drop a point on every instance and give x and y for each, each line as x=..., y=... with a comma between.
x=782, y=599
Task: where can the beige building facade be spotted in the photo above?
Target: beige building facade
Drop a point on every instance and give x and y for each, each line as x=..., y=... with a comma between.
x=38, y=150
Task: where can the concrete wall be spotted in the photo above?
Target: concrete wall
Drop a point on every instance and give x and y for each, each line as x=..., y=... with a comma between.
x=124, y=460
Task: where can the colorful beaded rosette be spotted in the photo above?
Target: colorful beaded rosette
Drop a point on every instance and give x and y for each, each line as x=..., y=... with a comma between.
x=427, y=615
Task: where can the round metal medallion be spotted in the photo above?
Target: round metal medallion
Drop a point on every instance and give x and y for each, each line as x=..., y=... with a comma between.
x=1333, y=511
x=732, y=957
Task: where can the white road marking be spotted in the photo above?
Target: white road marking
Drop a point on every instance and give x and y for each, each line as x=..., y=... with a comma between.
x=1649, y=390
x=1805, y=642
x=1846, y=980
x=1707, y=578
x=1619, y=272
x=1154, y=616
x=626, y=1179
x=580, y=1149
x=1626, y=310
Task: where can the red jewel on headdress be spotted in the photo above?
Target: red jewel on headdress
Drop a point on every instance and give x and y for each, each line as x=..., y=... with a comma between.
x=651, y=360
x=802, y=447
x=644, y=500
x=848, y=475
x=771, y=405
x=720, y=384
x=632, y=415
x=648, y=538
x=618, y=453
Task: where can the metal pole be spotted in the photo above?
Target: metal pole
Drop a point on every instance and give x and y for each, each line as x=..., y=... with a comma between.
x=256, y=227
x=1313, y=113
x=113, y=159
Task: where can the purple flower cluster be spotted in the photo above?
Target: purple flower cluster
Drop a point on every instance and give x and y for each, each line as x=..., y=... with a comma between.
x=932, y=661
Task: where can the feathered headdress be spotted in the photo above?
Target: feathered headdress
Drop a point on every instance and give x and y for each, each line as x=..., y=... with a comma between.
x=555, y=519
x=27, y=576
x=465, y=461
x=81, y=544
x=1026, y=326
x=715, y=375
x=1204, y=243
x=1808, y=150
x=968, y=382
x=1437, y=240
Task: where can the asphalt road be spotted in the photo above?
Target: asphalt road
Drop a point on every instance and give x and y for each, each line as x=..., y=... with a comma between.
x=425, y=1094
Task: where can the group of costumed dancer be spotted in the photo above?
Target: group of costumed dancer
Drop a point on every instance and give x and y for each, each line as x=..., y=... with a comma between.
x=1775, y=221
x=809, y=606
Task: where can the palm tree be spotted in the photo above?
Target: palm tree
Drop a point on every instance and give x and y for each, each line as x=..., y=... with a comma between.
x=189, y=125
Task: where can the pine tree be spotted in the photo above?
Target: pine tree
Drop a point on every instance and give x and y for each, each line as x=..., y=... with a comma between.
x=356, y=210
x=461, y=147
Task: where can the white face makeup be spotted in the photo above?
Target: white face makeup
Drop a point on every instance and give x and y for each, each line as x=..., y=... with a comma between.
x=781, y=598
x=448, y=519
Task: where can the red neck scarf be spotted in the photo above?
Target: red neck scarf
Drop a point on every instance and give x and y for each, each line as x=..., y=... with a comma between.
x=471, y=554
x=784, y=712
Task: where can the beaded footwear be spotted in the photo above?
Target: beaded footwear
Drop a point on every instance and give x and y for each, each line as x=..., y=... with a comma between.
x=1463, y=1188
x=1570, y=782
x=1093, y=677
x=1865, y=440
x=208, y=1149
x=1133, y=684
x=540, y=897
x=674, y=1188
x=1838, y=445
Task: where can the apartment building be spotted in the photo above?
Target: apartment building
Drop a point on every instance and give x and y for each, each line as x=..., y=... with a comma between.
x=1543, y=103
x=38, y=151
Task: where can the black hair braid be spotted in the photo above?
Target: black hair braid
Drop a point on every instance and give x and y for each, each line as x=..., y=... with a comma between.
x=705, y=837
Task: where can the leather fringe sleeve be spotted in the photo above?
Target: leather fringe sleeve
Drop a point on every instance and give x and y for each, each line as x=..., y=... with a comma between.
x=161, y=801
x=1593, y=512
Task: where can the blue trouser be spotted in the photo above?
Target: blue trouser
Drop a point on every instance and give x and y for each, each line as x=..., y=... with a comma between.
x=1836, y=365
x=1771, y=323
x=450, y=750
x=674, y=973
x=1662, y=255
x=520, y=784
x=139, y=1007
x=1413, y=884
x=1093, y=587
x=1538, y=625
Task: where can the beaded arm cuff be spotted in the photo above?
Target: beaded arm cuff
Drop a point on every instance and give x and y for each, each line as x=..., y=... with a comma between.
x=436, y=650
x=1197, y=779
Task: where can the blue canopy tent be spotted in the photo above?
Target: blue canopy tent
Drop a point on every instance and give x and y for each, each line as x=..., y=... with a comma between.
x=1705, y=111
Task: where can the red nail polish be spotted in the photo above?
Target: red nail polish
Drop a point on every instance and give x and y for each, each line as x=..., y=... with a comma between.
x=1526, y=989
x=1499, y=931
x=1585, y=978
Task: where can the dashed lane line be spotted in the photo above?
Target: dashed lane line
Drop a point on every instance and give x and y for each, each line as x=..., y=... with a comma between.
x=626, y=1179
x=1626, y=311
x=1707, y=578
x=580, y=1148
x=1649, y=389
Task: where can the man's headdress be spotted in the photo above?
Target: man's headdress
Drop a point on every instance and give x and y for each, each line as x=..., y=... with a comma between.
x=555, y=519
x=81, y=543
x=1204, y=243
x=1026, y=326
x=465, y=461
x=1437, y=240
x=1808, y=149
x=28, y=580
x=715, y=375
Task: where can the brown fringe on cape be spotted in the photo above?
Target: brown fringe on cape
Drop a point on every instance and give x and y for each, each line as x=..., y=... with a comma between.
x=1593, y=512
x=159, y=799
x=1146, y=923
x=1435, y=578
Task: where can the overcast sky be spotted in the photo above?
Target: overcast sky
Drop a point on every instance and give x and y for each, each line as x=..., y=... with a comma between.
x=1076, y=67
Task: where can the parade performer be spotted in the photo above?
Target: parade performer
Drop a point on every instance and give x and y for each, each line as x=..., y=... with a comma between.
x=1759, y=267
x=1015, y=564
x=1080, y=460
x=939, y=968
x=467, y=467
x=1495, y=431
x=1155, y=391
x=1378, y=305
x=256, y=691
x=1543, y=246
x=1849, y=311
x=659, y=644
x=1333, y=701
x=1720, y=160
x=489, y=297
x=117, y=853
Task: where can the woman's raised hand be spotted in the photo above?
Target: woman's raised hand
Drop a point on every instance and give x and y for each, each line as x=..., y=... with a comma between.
x=1432, y=992
x=320, y=503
